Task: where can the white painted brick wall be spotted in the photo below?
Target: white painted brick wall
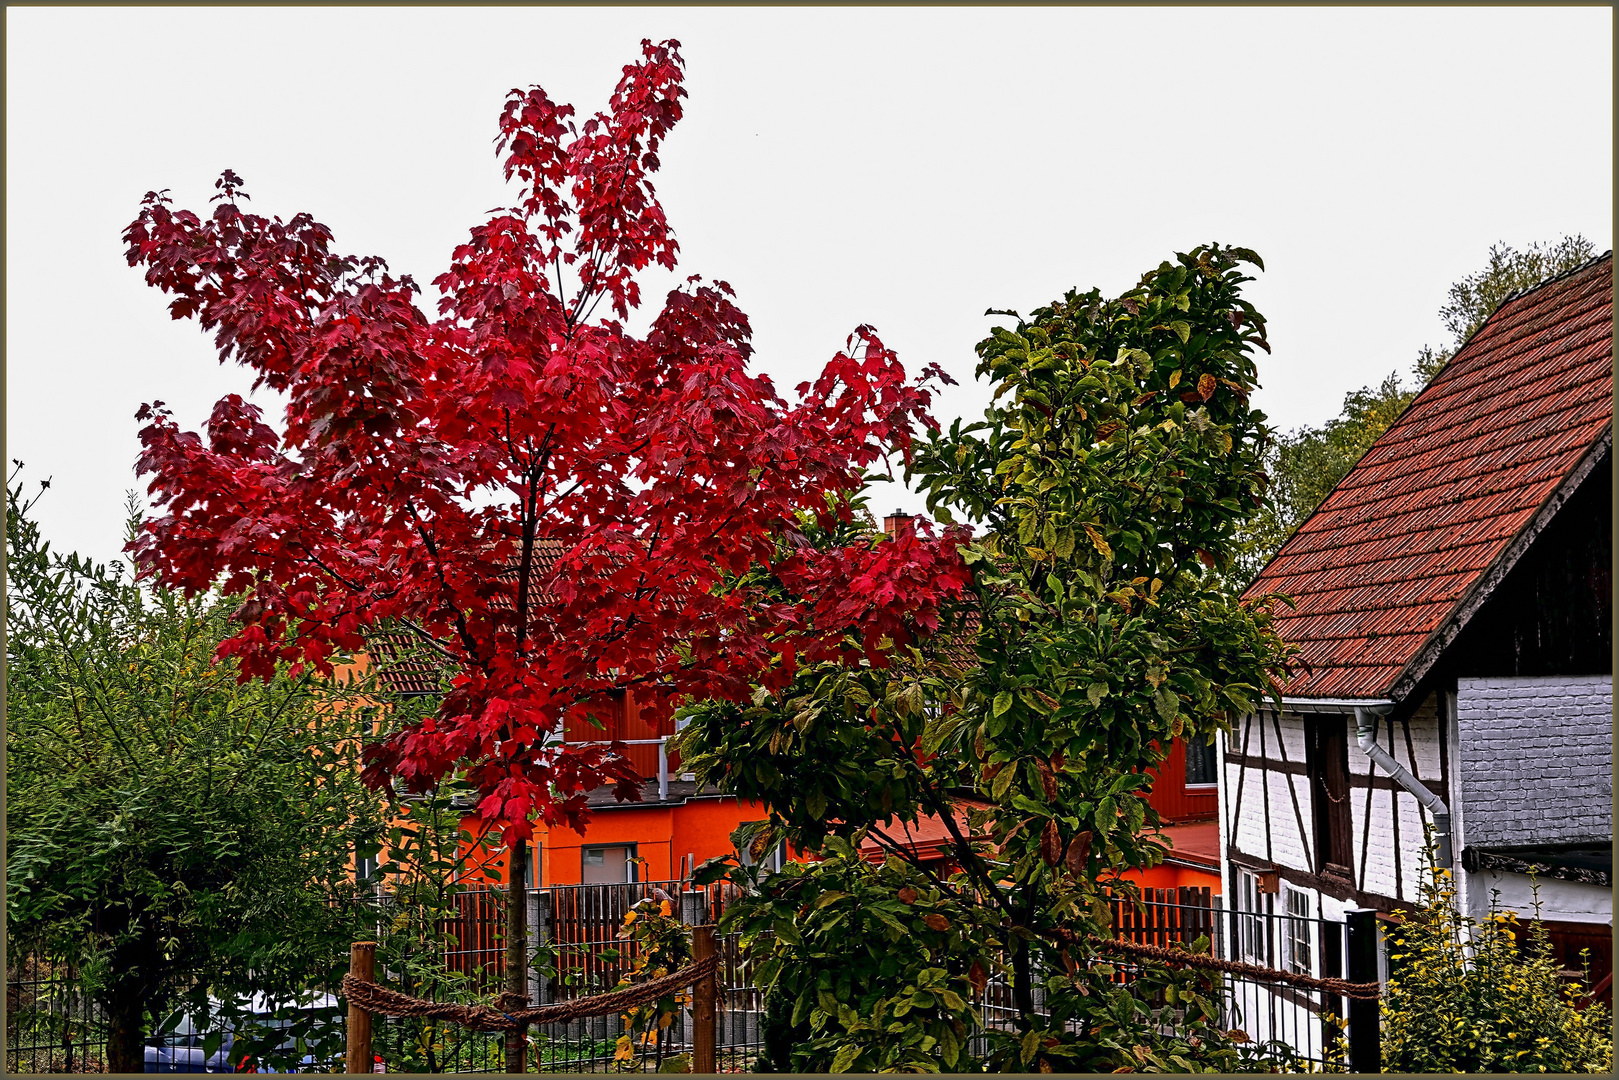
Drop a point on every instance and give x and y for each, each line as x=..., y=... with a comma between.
x=1422, y=757
x=1285, y=841
x=1536, y=757
x=1288, y=848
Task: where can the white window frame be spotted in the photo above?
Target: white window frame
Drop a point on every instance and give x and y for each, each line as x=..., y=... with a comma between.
x=1200, y=786
x=773, y=860
x=631, y=861
x=1297, y=931
x=1252, y=938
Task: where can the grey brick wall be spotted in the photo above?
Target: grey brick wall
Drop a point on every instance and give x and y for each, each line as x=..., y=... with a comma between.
x=1536, y=757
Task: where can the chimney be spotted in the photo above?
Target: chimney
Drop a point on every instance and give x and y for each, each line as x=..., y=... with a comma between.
x=896, y=521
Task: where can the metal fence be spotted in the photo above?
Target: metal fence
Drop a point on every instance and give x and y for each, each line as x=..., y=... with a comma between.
x=579, y=933
x=1302, y=1024
x=1306, y=1022
x=53, y=1027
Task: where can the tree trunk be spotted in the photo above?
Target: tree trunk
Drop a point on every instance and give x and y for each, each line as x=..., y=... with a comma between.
x=517, y=952
x=1022, y=981
x=126, y=1033
x=1022, y=984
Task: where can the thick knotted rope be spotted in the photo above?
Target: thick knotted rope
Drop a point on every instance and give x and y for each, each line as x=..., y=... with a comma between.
x=380, y=1001
x=1339, y=987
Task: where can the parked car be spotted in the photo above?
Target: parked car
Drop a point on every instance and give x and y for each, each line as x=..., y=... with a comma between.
x=183, y=1049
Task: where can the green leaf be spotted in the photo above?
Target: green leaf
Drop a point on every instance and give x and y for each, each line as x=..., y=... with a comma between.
x=1030, y=1045
x=1182, y=330
x=801, y=1009
x=1003, y=702
x=1003, y=782
x=846, y=1055
x=1107, y=814
x=711, y=870
x=1095, y=692
x=1166, y=702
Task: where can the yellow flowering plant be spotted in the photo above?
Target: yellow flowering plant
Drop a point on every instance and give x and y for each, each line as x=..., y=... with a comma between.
x=659, y=943
x=1484, y=996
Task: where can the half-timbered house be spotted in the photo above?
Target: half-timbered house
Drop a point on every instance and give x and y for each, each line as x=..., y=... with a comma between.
x=1453, y=611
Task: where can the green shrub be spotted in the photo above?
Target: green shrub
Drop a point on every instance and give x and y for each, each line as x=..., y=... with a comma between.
x=1463, y=997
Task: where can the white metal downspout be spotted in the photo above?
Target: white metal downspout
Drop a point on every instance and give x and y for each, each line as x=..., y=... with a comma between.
x=1366, y=733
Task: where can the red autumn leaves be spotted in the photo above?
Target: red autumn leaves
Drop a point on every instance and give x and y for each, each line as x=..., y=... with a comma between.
x=557, y=508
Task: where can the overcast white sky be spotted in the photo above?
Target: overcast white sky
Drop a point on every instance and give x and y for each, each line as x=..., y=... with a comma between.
x=906, y=168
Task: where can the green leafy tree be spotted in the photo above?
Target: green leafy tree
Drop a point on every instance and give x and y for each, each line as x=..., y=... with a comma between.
x=1306, y=463
x=1470, y=997
x=1475, y=297
x=1106, y=492
x=172, y=832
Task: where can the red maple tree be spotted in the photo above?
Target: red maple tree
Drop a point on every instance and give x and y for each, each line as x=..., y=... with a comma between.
x=557, y=507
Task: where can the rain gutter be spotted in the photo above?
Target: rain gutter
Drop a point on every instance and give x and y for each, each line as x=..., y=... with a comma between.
x=1366, y=714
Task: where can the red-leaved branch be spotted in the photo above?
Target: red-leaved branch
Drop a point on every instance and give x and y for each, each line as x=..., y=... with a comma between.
x=556, y=507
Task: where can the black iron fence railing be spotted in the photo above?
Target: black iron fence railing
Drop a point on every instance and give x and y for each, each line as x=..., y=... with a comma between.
x=53, y=1027
x=1303, y=1026
x=1305, y=1023
x=51, y=1024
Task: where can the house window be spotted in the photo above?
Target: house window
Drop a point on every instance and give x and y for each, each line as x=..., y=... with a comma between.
x=1200, y=763
x=608, y=865
x=1326, y=749
x=773, y=860
x=1298, y=938
x=1250, y=917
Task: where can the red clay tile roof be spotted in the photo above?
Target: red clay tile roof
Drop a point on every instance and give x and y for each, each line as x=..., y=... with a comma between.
x=1392, y=554
x=403, y=666
x=1196, y=842
x=928, y=838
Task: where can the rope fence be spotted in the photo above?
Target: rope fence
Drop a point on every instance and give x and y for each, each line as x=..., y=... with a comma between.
x=509, y=1013
x=380, y=1001
x=1339, y=987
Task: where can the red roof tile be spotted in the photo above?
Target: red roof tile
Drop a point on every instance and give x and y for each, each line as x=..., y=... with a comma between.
x=1196, y=842
x=402, y=664
x=1392, y=553
x=928, y=837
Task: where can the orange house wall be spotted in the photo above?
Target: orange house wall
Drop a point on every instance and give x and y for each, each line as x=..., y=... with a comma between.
x=1165, y=876
x=663, y=837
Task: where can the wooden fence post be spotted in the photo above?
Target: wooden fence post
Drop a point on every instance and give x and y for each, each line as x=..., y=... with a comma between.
x=704, y=1035
x=363, y=966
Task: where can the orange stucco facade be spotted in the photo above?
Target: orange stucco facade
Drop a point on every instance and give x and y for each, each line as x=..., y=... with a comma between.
x=669, y=839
